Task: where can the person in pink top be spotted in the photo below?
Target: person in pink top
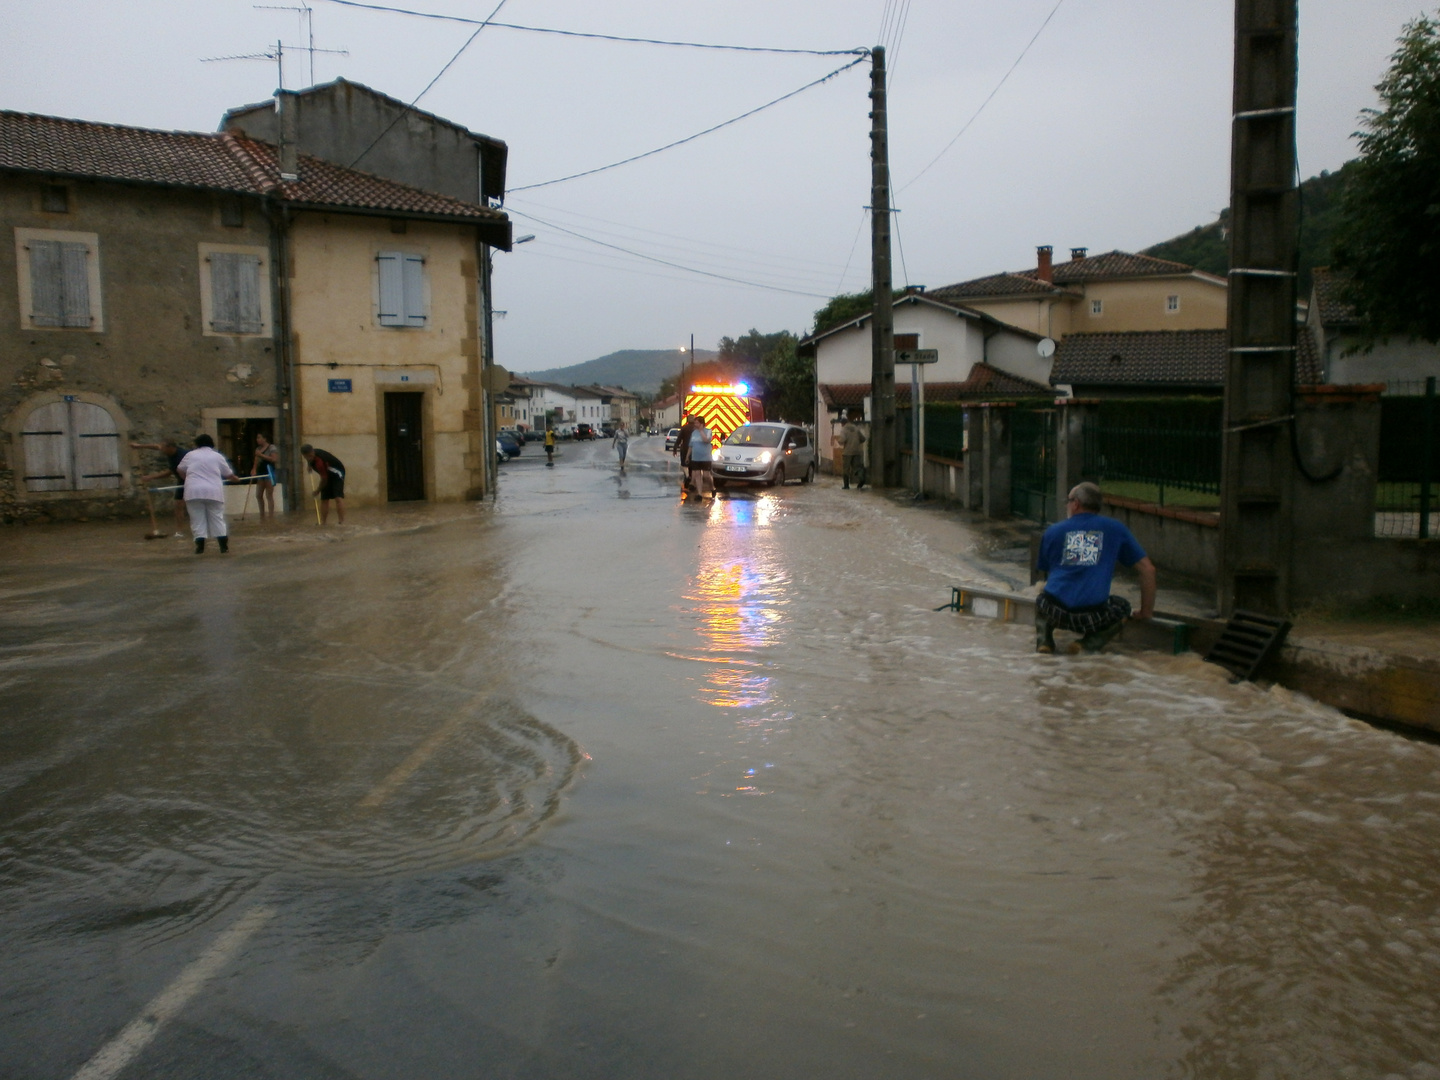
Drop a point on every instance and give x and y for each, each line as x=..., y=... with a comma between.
x=205, y=471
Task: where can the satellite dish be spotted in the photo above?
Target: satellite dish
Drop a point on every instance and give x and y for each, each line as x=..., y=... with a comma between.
x=1045, y=347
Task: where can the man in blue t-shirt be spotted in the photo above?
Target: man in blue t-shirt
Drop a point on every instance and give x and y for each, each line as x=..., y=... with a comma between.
x=1078, y=556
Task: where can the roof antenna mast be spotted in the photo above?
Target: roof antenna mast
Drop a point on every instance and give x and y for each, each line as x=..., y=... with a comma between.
x=277, y=54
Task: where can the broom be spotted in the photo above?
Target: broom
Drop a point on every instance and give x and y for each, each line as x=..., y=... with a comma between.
x=246, y=508
x=154, y=533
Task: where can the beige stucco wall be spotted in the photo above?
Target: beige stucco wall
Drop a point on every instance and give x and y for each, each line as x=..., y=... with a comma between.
x=335, y=297
x=1140, y=304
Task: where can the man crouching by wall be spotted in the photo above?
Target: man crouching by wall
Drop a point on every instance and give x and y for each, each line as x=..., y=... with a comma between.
x=1078, y=555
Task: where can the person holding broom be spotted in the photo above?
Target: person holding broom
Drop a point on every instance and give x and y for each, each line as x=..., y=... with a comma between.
x=331, y=471
x=173, y=454
x=205, y=471
x=267, y=467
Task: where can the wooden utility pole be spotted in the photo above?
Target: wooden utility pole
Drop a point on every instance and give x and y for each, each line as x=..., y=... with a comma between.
x=884, y=436
x=1258, y=470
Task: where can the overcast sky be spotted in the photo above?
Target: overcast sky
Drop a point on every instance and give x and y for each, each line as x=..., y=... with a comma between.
x=1111, y=133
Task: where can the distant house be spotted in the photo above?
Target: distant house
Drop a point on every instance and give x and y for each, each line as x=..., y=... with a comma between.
x=979, y=356
x=616, y=404
x=1116, y=291
x=168, y=283
x=1157, y=362
x=1402, y=364
x=666, y=412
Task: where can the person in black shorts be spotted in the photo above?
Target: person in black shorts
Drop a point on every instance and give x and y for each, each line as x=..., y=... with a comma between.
x=173, y=454
x=331, y=471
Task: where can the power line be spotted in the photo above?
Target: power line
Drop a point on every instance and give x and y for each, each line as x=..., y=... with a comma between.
x=981, y=109
x=662, y=262
x=864, y=215
x=403, y=112
x=692, y=138
x=599, y=37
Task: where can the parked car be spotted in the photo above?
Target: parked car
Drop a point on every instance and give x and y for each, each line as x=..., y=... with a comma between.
x=500, y=456
x=584, y=431
x=607, y=430
x=510, y=443
x=671, y=438
x=765, y=453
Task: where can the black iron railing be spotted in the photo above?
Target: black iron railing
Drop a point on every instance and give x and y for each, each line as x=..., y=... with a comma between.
x=1161, y=450
x=1406, y=489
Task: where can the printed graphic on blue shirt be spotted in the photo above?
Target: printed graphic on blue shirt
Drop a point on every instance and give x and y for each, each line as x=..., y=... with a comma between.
x=1083, y=548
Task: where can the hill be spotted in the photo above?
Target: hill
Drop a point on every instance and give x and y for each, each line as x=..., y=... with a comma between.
x=635, y=369
x=1204, y=247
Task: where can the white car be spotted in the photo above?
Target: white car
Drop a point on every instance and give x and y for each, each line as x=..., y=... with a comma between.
x=671, y=438
x=765, y=453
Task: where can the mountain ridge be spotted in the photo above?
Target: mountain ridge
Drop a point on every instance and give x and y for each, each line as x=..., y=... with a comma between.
x=638, y=370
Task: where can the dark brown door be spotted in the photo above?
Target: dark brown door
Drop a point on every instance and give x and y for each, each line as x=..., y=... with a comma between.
x=404, y=448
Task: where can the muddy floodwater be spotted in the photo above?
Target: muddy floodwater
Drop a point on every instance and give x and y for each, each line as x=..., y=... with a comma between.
x=589, y=783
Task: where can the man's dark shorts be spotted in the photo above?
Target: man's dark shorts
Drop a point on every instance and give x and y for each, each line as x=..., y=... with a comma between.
x=1086, y=620
x=333, y=487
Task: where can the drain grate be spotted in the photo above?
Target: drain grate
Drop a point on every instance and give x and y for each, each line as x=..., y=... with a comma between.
x=1248, y=641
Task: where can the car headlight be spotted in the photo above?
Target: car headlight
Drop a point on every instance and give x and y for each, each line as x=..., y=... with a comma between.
x=764, y=457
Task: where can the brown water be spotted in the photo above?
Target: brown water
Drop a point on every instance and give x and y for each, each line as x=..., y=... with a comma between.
x=590, y=783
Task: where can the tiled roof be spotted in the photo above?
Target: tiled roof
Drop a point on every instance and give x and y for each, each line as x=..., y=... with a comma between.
x=1177, y=358
x=1116, y=264
x=994, y=285
x=1335, y=310
x=1113, y=264
x=214, y=162
x=983, y=381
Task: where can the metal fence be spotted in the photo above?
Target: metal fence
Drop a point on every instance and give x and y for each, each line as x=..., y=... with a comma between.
x=1162, y=450
x=1032, y=464
x=944, y=430
x=1406, y=488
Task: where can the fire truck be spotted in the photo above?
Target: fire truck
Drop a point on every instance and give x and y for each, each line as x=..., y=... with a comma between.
x=724, y=408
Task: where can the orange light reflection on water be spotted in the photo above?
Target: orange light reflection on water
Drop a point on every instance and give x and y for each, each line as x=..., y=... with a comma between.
x=741, y=610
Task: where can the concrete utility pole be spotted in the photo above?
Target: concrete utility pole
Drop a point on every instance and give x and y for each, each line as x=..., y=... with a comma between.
x=1257, y=475
x=884, y=436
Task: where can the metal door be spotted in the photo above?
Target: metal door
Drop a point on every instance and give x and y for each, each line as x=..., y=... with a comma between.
x=404, y=447
x=1032, y=464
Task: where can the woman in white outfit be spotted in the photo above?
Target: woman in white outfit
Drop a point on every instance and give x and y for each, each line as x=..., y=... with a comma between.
x=205, y=471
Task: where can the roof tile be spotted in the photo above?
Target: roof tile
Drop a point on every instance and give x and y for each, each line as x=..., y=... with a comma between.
x=983, y=381
x=1174, y=358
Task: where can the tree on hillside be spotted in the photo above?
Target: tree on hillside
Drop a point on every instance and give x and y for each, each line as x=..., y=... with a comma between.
x=1388, y=241
x=843, y=308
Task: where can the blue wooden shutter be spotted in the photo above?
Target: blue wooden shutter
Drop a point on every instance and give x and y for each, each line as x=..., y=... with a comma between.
x=97, y=447
x=235, y=293
x=414, y=290
x=47, y=288
x=392, y=288
x=247, y=290
x=46, y=440
x=75, y=275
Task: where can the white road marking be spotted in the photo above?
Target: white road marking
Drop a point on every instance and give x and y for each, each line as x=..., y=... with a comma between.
x=419, y=756
x=137, y=1034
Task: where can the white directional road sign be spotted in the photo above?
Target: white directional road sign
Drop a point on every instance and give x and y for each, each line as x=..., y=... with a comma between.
x=917, y=356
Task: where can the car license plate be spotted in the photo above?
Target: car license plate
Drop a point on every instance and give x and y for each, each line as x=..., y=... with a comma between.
x=734, y=468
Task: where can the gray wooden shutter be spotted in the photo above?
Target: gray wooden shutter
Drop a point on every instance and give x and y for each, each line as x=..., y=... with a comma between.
x=414, y=290
x=75, y=274
x=392, y=288
x=235, y=293
x=46, y=442
x=47, y=289
x=97, y=447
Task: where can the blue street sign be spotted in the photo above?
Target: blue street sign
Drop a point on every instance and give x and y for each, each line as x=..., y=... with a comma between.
x=339, y=386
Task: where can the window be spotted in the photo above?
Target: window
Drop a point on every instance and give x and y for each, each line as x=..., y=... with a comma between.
x=1172, y=304
x=907, y=341
x=234, y=290
x=71, y=446
x=59, y=279
x=232, y=213
x=1097, y=307
x=402, y=289
x=55, y=199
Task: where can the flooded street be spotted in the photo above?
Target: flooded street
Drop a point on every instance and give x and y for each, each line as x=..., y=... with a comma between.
x=589, y=783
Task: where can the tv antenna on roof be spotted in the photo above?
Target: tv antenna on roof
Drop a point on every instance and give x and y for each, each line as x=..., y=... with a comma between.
x=277, y=54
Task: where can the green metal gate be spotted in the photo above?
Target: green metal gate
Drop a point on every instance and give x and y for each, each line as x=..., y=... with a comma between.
x=1032, y=464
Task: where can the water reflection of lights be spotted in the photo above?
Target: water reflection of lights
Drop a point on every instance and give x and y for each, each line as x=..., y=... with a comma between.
x=741, y=608
x=756, y=513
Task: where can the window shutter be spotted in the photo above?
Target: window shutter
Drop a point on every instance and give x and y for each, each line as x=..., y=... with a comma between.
x=75, y=275
x=97, y=447
x=392, y=289
x=247, y=295
x=46, y=440
x=223, y=312
x=47, y=295
x=414, y=290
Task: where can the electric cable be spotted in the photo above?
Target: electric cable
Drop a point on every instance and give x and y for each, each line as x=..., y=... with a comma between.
x=599, y=37
x=405, y=111
x=1058, y=5
x=690, y=138
x=662, y=262
x=840, y=288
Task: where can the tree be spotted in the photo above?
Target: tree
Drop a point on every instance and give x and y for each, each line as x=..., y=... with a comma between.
x=1388, y=241
x=843, y=308
x=789, y=379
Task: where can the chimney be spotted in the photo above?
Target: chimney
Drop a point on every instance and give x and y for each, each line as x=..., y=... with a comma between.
x=1044, y=271
x=1078, y=253
x=287, y=104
